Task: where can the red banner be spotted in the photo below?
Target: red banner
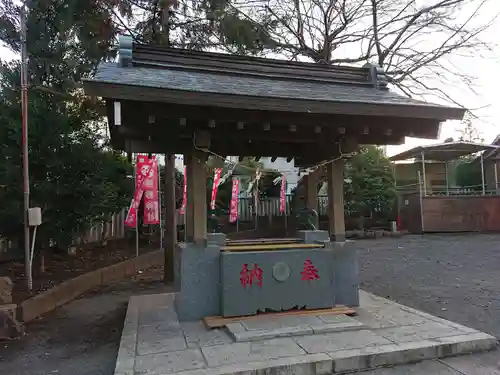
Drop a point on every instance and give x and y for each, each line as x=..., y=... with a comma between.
x=283, y=194
x=142, y=170
x=233, y=209
x=142, y=167
x=151, y=202
x=142, y=163
x=131, y=219
x=215, y=186
x=184, y=198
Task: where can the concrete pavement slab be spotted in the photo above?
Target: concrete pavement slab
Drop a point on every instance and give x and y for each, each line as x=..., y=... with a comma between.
x=383, y=334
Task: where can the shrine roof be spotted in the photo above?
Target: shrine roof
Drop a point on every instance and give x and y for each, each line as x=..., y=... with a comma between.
x=160, y=74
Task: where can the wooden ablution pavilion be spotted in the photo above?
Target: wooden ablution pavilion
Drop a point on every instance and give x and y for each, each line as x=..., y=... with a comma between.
x=171, y=101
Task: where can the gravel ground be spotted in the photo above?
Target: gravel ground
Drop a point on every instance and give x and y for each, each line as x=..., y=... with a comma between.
x=456, y=277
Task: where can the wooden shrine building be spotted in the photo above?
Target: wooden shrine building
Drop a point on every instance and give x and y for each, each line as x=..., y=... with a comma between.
x=432, y=205
x=162, y=100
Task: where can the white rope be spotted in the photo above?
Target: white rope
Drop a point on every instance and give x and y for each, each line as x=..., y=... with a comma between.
x=306, y=171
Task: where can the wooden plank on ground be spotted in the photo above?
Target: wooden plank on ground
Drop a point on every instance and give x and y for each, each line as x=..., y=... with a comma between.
x=262, y=241
x=271, y=247
x=219, y=321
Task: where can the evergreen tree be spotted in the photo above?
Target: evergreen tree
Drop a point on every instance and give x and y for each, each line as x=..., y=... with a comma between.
x=75, y=178
x=369, y=183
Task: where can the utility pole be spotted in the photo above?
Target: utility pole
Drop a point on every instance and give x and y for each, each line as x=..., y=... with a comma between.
x=26, y=180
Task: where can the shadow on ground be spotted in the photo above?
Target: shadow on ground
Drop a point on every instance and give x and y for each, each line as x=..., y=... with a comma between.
x=80, y=338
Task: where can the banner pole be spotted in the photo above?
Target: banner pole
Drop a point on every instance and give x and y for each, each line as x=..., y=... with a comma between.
x=137, y=237
x=238, y=212
x=137, y=217
x=159, y=201
x=256, y=198
x=286, y=221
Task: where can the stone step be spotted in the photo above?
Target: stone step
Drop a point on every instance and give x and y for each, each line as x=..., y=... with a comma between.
x=288, y=326
x=363, y=359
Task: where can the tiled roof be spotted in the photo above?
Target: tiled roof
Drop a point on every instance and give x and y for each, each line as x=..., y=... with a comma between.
x=219, y=74
x=222, y=83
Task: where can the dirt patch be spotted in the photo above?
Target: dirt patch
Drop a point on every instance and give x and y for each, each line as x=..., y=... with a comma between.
x=59, y=267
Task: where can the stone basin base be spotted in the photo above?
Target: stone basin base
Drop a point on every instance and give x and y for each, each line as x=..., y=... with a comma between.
x=215, y=280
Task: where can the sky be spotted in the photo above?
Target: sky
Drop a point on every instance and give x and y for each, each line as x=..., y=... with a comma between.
x=484, y=101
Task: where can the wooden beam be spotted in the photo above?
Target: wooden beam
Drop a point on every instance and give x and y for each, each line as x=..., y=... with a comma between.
x=280, y=134
x=336, y=221
x=196, y=199
x=182, y=142
x=348, y=144
x=271, y=247
x=170, y=239
x=189, y=211
x=425, y=128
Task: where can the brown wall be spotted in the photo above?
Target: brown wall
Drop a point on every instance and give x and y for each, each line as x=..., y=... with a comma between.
x=461, y=214
x=409, y=211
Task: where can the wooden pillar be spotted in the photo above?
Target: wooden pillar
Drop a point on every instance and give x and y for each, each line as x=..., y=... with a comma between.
x=196, y=207
x=170, y=239
x=311, y=187
x=188, y=217
x=336, y=223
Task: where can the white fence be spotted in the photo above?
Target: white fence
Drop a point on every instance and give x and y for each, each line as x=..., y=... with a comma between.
x=110, y=230
x=5, y=245
x=115, y=228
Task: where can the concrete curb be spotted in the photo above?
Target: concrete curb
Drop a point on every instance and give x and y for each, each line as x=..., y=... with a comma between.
x=70, y=289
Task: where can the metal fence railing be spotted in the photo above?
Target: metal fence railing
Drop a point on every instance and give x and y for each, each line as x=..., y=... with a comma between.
x=442, y=191
x=271, y=207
